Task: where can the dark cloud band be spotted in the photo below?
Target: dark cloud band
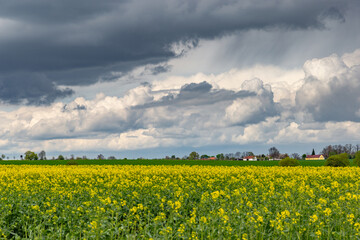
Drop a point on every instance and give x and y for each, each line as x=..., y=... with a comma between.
x=75, y=43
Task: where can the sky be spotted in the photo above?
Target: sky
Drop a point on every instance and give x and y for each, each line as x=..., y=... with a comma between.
x=161, y=77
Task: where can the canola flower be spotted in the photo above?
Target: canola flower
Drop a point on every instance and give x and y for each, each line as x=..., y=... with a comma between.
x=178, y=202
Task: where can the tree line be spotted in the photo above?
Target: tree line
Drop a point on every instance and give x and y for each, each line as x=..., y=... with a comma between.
x=273, y=153
x=350, y=149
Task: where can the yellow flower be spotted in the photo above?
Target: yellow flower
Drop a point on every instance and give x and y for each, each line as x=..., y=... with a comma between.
x=215, y=194
x=177, y=205
x=94, y=224
x=244, y=236
x=35, y=207
x=327, y=212
x=314, y=218
x=181, y=229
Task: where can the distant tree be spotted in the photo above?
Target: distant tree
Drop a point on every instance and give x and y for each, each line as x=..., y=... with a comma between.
x=246, y=154
x=313, y=152
x=204, y=156
x=274, y=152
x=303, y=156
x=348, y=148
x=357, y=147
x=100, y=157
x=173, y=156
x=72, y=157
x=42, y=155
x=220, y=156
x=339, y=149
x=193, y=156
x=282, y=156
x=295, y=156
x=60, y=157
x=21, y=157
x=238, y=154
x=331, y=150
x=111, y=158
x=31, y=156
x=3, y=156
x=326, y=151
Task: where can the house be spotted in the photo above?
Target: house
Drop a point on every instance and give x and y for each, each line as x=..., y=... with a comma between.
x=250, y=158
x=315, y=157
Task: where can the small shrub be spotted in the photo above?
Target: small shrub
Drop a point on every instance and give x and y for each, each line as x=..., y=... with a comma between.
x=340, y=160
x=61, y=157
x=289, y=162
x=72, y=162
x=357, y=159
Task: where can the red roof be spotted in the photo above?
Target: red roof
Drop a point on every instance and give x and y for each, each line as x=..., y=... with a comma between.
x=249, y=157
x=313, y=156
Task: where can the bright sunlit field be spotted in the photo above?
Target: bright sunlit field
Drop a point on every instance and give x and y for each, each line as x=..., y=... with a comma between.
x=179, y=202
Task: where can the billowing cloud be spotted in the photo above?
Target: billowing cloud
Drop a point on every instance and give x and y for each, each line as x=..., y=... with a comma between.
x=252, y=109
x=330, y=91
x=82, y=42
x=141, y=116
x=235, y=107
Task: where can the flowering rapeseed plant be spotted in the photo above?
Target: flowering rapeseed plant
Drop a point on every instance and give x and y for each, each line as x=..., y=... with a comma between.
x=179, y=202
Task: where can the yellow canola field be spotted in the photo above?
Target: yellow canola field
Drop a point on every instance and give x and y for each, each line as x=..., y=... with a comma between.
x=179, y=202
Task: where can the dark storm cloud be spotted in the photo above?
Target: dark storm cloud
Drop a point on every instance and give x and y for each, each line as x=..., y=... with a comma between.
x=160, y=69
x=77, y=42
x=191, y=88
x=31, y=89
x=333, y=13
x=197, y=94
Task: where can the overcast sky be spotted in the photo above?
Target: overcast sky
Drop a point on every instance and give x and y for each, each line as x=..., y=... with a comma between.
x=162, y=77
